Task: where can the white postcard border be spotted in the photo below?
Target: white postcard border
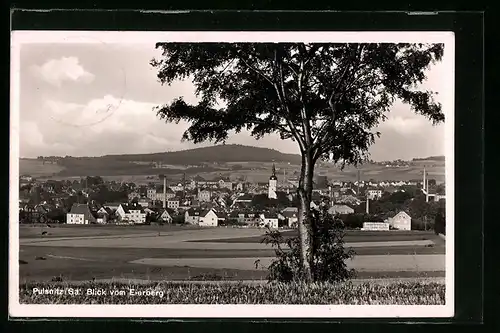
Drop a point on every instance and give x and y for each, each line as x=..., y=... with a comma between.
x=230, y=311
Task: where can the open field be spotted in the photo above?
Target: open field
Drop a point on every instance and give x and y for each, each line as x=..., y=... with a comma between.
x=177, y=253
x=67, y=230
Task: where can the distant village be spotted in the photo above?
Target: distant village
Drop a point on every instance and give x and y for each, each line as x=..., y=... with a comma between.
x=225, y=201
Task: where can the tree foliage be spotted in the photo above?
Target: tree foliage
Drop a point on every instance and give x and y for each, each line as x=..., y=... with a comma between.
x=340, y=90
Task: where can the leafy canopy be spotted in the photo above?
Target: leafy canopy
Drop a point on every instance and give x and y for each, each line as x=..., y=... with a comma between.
x=325, y=96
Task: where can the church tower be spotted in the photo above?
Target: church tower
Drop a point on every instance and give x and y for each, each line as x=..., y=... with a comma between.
x=273, y=183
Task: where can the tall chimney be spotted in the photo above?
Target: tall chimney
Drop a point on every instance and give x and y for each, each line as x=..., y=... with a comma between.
x=427, y=190
x=164, y=192
x=367, y=205
x=424, y=185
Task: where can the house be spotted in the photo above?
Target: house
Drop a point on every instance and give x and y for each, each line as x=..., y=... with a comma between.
x=340, y=209
x=204, y=195
x=144, y=202
x=166, y=215
x=243, y=217
x=173, y=203
x=105, y=210
x=80, y=214
x=244, y=198
x=185, y=204
x=291, y=214
x=101, y=218
x=349, y=199
x=160, y=195
x=132, y=213
x=112, y=205
x=26, y=178
x=151, y=193
x=401, y=221
x=374, y=194
x=269, y=220
x=208, y=218
x=177, y=188
x=225, y=182
x=192, y=216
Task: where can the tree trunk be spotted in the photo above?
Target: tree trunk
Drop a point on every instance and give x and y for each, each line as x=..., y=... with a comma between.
x=304, y=192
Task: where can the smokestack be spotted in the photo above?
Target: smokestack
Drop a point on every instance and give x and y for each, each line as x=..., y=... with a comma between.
x=424, y=185
x=427, y=190
x=164, y=192
x=367, y=205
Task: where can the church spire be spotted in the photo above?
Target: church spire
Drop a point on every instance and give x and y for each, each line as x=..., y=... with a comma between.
x=273, y=176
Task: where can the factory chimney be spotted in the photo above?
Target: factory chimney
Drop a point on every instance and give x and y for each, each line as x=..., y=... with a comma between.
x=424, y=184
x=164, y=191
x=367, y=205
x=427, y=190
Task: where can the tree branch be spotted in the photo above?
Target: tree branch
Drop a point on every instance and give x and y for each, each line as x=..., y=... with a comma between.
x=293, y=130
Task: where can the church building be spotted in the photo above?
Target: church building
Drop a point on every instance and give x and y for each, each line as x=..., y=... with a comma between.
x=273, y=184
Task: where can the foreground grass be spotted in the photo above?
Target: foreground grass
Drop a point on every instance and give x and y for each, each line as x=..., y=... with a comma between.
x=401, y=293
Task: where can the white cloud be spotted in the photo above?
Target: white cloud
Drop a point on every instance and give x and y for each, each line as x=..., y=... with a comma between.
x=56, y=71
x=108, y=125
x=30, y=134
x=404, y=125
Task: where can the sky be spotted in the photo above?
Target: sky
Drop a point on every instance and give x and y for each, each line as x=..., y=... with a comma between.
x=98, y=99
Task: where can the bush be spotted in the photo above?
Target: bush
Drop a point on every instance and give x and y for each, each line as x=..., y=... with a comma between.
x=328, y=252
x=440, y=222
x=403, y=293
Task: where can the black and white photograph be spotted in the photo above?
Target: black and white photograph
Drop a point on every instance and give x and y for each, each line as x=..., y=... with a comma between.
x=231, y=174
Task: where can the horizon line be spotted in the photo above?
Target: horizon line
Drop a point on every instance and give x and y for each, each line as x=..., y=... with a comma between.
x=195, y=148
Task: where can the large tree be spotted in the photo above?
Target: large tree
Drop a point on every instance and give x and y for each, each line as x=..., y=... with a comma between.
x=327, y=97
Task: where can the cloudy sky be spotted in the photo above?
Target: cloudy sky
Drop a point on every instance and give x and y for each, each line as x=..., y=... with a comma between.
x=97, y=99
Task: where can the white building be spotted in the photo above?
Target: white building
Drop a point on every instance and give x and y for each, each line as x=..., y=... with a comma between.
x=80, y=214
x=273, y=185
x=208, y=218
x=373, y=194
x=401, y=221
x=173, y=203
x=269, y=220
x=160, y=195
x=225, y=182
x=101, y=218
x=204, y=196
x=340, y=209
x=151, y=193
x=131, y=213
x=165, y=216
x=192, y=216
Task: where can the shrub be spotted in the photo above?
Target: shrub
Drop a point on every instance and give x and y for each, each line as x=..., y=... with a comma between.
x=328, y=254
x=440, y=222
